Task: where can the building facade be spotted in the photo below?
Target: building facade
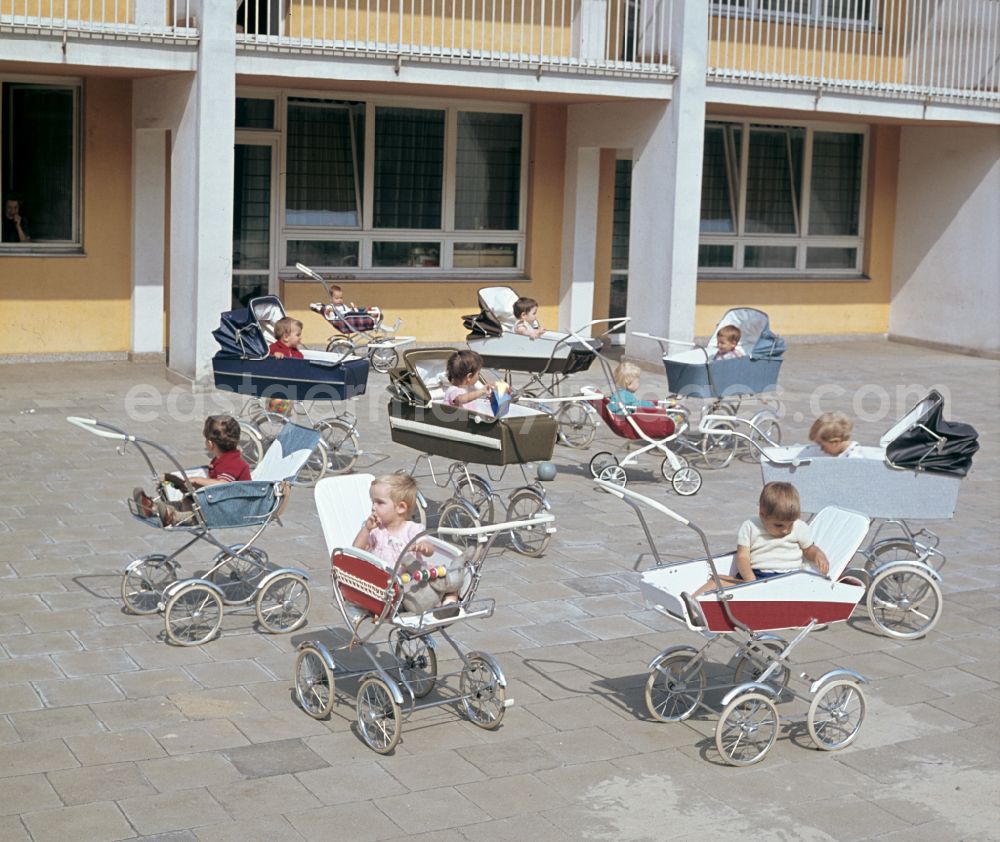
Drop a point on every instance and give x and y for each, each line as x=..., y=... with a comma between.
x=833, y=162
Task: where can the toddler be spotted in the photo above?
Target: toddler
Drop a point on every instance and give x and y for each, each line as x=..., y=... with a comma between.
x=287, y=338
x=338, y=308
x=831, y=436
x=775, y=541
x=222, y=439
x=388, y=529
x=463, y=373
x=727, y=343
x=526, y=313
x=624, y=399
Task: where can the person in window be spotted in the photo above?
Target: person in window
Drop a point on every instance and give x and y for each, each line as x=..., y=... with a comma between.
x=15, y=226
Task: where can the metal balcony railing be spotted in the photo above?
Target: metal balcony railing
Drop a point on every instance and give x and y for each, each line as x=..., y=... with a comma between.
x=101, y=18
x=926, y=49
x=626, y=36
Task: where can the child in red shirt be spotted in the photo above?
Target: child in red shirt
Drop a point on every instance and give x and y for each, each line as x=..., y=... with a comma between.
x=287, y=338
x=222, y=438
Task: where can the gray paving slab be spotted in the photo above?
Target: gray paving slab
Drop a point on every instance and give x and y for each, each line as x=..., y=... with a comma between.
x=112, y=782
x=99, y=822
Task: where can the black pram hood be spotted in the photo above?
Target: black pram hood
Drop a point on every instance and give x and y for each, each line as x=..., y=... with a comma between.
x=239, y=336
x=935, y=445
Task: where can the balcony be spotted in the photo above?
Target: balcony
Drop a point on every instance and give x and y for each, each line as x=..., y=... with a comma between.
x=605, y=37
x=934, y=51
x=114, y=20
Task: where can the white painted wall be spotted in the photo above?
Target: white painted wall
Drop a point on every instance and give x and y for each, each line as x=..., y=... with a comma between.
x=946, y=257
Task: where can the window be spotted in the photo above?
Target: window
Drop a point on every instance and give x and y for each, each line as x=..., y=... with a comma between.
x=40, y=164
x=389, y=188
x=781, y=199
x=808, y=10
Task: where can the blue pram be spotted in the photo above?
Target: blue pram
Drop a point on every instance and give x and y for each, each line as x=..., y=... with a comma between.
x=277, y=388
x=239, y=574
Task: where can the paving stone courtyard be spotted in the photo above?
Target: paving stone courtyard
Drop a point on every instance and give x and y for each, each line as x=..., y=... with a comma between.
x=108, y=732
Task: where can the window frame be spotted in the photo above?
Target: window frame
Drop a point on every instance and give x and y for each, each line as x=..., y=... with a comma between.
x=73, y=245
x=802, y=241
x=814, y=17
x=366, y=234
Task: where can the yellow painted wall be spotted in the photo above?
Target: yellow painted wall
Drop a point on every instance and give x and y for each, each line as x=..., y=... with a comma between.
x=106, y=11
x=827, y=307
x=82, y=303
x=432, y=310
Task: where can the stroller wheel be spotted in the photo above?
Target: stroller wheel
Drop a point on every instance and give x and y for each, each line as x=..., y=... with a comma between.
x=904, y=601
x=282, y=604
x=577, y=426
x=237, y=573
x=528, y=540
x=314, y=685
x=193, y=615
x=755, y=660
x=460, y=514
x=417, y=664
x=382, y=359
x=718, y=449
x=478, y=492
x=667, y=469
x=378, y=715
x=686, y=482
x=342, y=444
x=250, y=446
x=836, y=714
x=483, y=696
x=144, y=582
x=315, y=467
x=601, y=461
x=340, y=347
x=614, y=474
x=674, y=688
x=747, y=729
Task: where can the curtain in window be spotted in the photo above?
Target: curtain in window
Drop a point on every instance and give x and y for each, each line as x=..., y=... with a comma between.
x=720, y=179
x=252, y=207
x=774, y=181
x=488, y=172
x=409, y=166
x=325, y=163
x=835, y=200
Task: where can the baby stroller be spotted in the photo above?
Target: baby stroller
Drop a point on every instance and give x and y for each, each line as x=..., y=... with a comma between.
x=727, y=384
x=294, y=386
x=652, y=429
x=915, y=473
x=522, y=435
x=547, y=361
x=372, y=595
x=747, y=616
x=240, y=575
x=359, y=332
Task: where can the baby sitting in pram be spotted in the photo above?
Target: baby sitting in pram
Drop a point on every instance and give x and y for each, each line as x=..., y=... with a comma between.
x=775, y=542
x=347, y=317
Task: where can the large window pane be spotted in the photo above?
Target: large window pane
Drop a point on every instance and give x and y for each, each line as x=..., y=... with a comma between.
x=769, y=257
x=773, y=180
x=391, y=254
x=325, y=163
x=409, y=164
x=488, y=172
x=485, y=256
x=322, y=253
x=715, y=257
x=835, y=200
x=622, y=213
x=720, y=179
x=254, y=113
x=831, y=258
x=251, y=207
x=39, y=158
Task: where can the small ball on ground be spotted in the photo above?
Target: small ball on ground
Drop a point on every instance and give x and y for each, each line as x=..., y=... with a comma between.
x=546, y=471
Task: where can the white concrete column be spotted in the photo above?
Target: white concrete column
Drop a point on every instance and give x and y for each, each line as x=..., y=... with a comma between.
x=576, y=288
x=201, y=196
x=149, y=177
x=666, y=196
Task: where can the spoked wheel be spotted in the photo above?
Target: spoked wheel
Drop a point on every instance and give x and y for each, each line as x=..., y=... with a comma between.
x=237, y=574
x=478, y=493
x=747, y=729
x=378, y=715
x=269, y=425
x=483, y=697
x=382, y=359
x=144, y=583
x=314, y=686
x=340, y=347
x=577, y=424
x=751, y=665
x=250, y=447
x=674, y=688
x=667, y=470
x=342, y=444
x=765, y=432
x=531, y=541
x=717, y=448
x=686, y=482
x=614, y=474
x=193, y=615
x=315, y=467
x=836, y=714
x=283, y=604
x=417, y=664
x=459, y=514
x=419, y=514
x=601, y=461
x=904, y=602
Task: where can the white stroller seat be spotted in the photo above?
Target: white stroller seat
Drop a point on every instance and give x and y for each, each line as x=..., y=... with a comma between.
x=500, y=301
x=433, y=372
x=267, y=310
x=838, y=533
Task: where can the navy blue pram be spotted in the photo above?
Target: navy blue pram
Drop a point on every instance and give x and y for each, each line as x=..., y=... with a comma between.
x=242, y=363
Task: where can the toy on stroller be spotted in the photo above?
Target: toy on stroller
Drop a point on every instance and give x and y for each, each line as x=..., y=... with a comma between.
x=400, y=597
x=652, y=429
x=547, y=361
x=727, y=384
x=419, y=419
x=915, y=473
x=359, y=331
x=292, y=385
x=239, y=574
x=751, y=612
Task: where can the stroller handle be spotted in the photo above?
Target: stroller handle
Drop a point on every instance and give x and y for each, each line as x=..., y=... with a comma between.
x=623, y=493
x=491, y=528
x=99, y=428
x=666, y=341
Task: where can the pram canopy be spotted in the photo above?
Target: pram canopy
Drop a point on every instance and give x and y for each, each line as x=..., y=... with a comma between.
x=924, y=441
x=243, y=365
x=696, y=373
x=419, y=419
x=491, y=334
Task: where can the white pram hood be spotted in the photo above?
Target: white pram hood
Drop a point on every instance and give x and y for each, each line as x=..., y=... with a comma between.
x=500, y=302
x=753, y=324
